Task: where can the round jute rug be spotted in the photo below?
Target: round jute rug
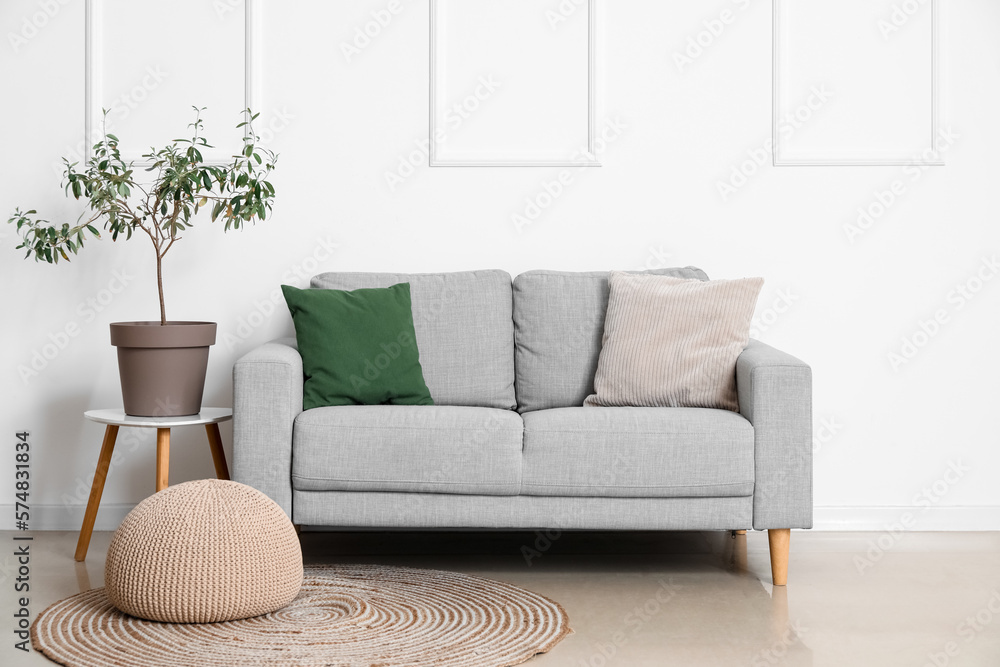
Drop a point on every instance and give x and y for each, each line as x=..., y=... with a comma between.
x=345, y=616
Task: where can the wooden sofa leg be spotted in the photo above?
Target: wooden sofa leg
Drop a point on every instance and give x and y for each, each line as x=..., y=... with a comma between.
x=777, y=541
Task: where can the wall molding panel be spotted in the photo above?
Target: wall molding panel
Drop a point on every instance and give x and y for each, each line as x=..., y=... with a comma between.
x=583, y=152
x=94, y=75
x=889, y=39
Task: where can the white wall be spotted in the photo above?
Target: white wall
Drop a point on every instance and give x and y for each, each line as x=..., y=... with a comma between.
x=343, y=125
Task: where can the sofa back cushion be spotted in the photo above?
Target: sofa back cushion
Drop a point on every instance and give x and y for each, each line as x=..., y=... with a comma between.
x=464, y=331
x=558, y=325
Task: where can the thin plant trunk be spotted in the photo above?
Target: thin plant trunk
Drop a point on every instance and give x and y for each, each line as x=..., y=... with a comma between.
x=159, y=288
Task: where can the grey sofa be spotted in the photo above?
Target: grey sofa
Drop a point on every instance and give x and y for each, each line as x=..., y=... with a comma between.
x=507, y=444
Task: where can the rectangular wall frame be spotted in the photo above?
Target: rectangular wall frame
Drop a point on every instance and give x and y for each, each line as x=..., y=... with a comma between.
x=864, y=152
x=493, y=150
x=95, y=65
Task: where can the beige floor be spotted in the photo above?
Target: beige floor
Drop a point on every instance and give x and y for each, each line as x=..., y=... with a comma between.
x=691, y=599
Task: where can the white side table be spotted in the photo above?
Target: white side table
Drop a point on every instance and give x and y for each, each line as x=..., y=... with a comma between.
x=210, y=418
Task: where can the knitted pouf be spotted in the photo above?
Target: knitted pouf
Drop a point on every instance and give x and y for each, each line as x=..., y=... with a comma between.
x=204, y=552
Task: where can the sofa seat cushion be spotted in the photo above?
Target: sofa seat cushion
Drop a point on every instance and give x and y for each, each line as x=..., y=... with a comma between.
x=637, y=452
x=431, y=449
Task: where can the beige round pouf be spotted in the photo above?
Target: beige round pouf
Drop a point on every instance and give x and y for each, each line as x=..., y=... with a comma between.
x=204, y=552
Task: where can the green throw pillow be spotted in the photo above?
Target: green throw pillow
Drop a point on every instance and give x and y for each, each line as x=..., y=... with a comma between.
x=357, y=347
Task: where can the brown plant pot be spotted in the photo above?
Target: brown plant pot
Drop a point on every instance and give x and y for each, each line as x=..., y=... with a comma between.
x=162, y=367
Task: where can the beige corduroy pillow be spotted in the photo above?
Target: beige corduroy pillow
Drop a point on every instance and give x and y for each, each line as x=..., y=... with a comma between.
x=671, y=342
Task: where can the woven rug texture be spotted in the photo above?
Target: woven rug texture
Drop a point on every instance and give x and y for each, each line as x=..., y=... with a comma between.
x=344, y=616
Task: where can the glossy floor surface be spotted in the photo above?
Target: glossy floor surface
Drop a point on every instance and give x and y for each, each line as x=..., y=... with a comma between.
x=664, y=599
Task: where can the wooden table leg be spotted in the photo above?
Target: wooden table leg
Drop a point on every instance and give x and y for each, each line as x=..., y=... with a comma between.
x=96, y=489
x=218, y=453
x=162, y=458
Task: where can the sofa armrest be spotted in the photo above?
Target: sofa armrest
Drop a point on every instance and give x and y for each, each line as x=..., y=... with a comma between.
x=267, y=397
x=775, y=395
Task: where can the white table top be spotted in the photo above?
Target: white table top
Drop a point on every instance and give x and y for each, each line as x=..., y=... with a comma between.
x=119, y=418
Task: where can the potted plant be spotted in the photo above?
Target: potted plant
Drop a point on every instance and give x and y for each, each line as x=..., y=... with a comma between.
x=162, y=364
